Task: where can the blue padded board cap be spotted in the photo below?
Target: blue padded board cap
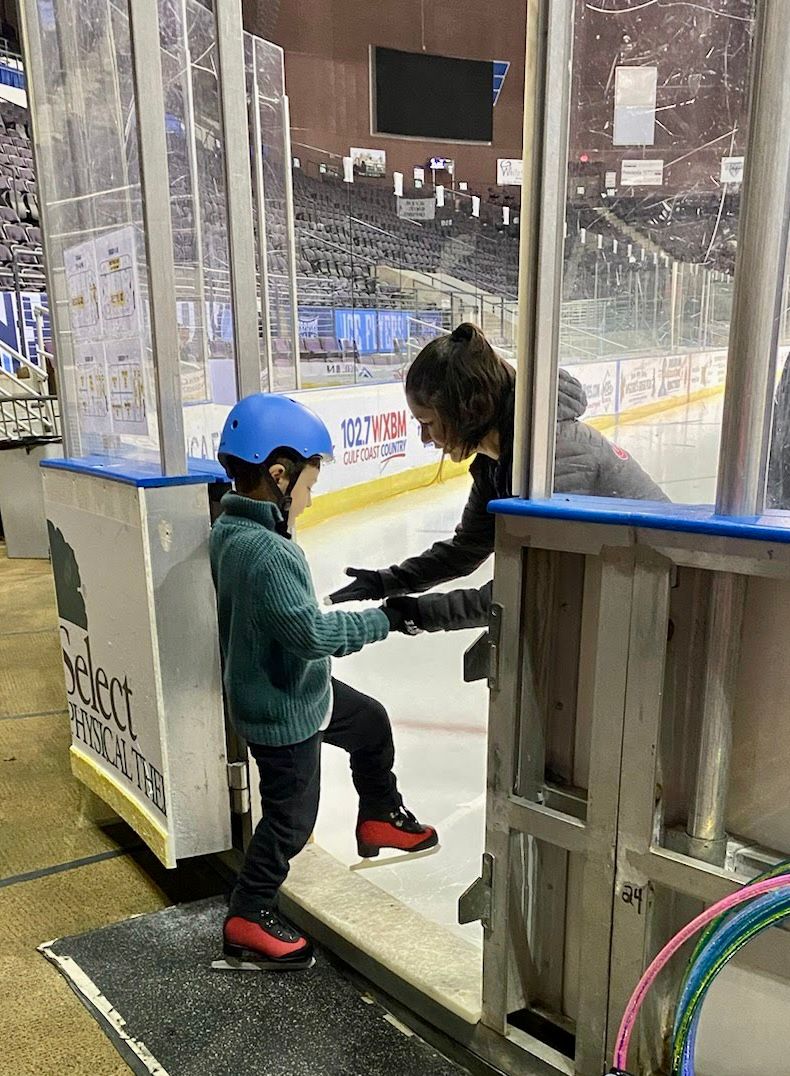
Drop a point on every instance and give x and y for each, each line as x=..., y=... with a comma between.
x=688, y=518
x=139, y=473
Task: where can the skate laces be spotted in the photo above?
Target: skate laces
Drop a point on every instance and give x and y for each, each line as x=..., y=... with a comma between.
x=402, y=818
x=274, y=924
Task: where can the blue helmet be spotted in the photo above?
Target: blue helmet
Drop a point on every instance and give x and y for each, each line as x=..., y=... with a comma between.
x=260, y=423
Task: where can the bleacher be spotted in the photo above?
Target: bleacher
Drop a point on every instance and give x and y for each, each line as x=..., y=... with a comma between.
x=697, y=228
x=345, y=231
x=21, y=255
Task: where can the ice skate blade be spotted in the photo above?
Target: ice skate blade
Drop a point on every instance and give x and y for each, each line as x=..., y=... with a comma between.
x=230, y=963
x=385, y=861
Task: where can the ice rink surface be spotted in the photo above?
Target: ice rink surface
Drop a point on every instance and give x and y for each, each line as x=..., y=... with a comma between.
x=439, y=721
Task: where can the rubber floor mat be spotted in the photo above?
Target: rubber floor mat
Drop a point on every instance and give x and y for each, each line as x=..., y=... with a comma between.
x=148, y=981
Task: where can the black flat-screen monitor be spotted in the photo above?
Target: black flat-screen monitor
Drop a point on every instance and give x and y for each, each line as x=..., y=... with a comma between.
x=417, y=95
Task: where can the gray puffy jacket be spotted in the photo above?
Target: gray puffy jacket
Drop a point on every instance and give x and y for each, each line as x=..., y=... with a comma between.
x=585, y=463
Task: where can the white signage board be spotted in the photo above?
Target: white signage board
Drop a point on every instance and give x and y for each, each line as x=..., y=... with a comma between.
x=642, y=173
x=127, y=389
x=119, y=291
x=106, y=321
x=142, y=676
x=509, y=171
x=731, y=170
x=635, y=106
x=111, y=688
x=93, y=402
x=83, y=290
x=417, y=208
x=369, y=162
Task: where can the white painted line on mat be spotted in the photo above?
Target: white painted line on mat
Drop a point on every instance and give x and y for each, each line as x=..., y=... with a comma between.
x=407, y=1031
x=86, y=986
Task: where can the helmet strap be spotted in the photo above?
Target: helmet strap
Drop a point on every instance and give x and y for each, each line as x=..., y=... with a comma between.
x=284, y=500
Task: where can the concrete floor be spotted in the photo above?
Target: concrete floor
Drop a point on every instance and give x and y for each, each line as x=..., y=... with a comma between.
x=60, y=871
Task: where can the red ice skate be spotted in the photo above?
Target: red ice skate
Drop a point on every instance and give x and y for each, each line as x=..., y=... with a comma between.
x=398, y=830
x=264, y=942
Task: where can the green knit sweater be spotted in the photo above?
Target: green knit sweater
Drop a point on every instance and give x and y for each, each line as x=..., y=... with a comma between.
x=276, y=642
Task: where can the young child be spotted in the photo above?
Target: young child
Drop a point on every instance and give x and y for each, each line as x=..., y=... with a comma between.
x=276, y=644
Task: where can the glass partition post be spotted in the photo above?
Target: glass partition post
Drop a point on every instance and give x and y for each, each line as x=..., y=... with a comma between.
x=241, y=243
x=550, y=254
x=260, y=209
x=546, y=116
x=290, y=233
x=197, y=214
x=757, y=308
x=528, y=240
x=277, y=163
x=155, y=190
x=759, y=278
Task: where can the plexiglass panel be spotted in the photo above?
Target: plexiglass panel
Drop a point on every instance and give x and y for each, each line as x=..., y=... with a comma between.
x=279, y=335
x=658, y=127
x=88, y=158
x=88, y=154
x=196, y=166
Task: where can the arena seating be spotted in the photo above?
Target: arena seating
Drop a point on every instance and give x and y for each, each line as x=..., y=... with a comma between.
x=21, y=256
x=345, y=232
x=700, y=228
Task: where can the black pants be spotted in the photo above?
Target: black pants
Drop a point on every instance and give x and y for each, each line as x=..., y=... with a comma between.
x=291, y=785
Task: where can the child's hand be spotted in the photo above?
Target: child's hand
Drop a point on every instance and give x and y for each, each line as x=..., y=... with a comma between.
x=403, y=615
x=367, y=586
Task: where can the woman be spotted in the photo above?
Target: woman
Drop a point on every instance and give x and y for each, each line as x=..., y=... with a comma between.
x=463, y=396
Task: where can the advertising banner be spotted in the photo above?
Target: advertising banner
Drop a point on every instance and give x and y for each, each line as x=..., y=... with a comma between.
x=509, y=171
x=372, y=430
x=373, y=434
x=731, y=170
x=417, y=208
x=708, y=369
x=131, y=573
x=638, y=382
x=600, y=384
x=107, y=646
x=619, y=385
x=369, y=162
x=641, y=173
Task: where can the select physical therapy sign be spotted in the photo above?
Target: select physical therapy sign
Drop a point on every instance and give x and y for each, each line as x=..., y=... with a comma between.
x=110, y=685
x=138, y=644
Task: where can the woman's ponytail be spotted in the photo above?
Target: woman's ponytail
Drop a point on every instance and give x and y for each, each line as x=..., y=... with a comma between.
x=463, y=379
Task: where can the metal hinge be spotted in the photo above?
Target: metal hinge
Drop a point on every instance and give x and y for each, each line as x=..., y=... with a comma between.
x=475, y=903
x=239, y=785
x=481, y=659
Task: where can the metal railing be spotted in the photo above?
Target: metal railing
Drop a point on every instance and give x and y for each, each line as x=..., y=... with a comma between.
x=37, y=380
x=27, y=420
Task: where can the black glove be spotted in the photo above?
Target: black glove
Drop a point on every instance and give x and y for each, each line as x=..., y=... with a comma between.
x=367, y=585
x=403, y=615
